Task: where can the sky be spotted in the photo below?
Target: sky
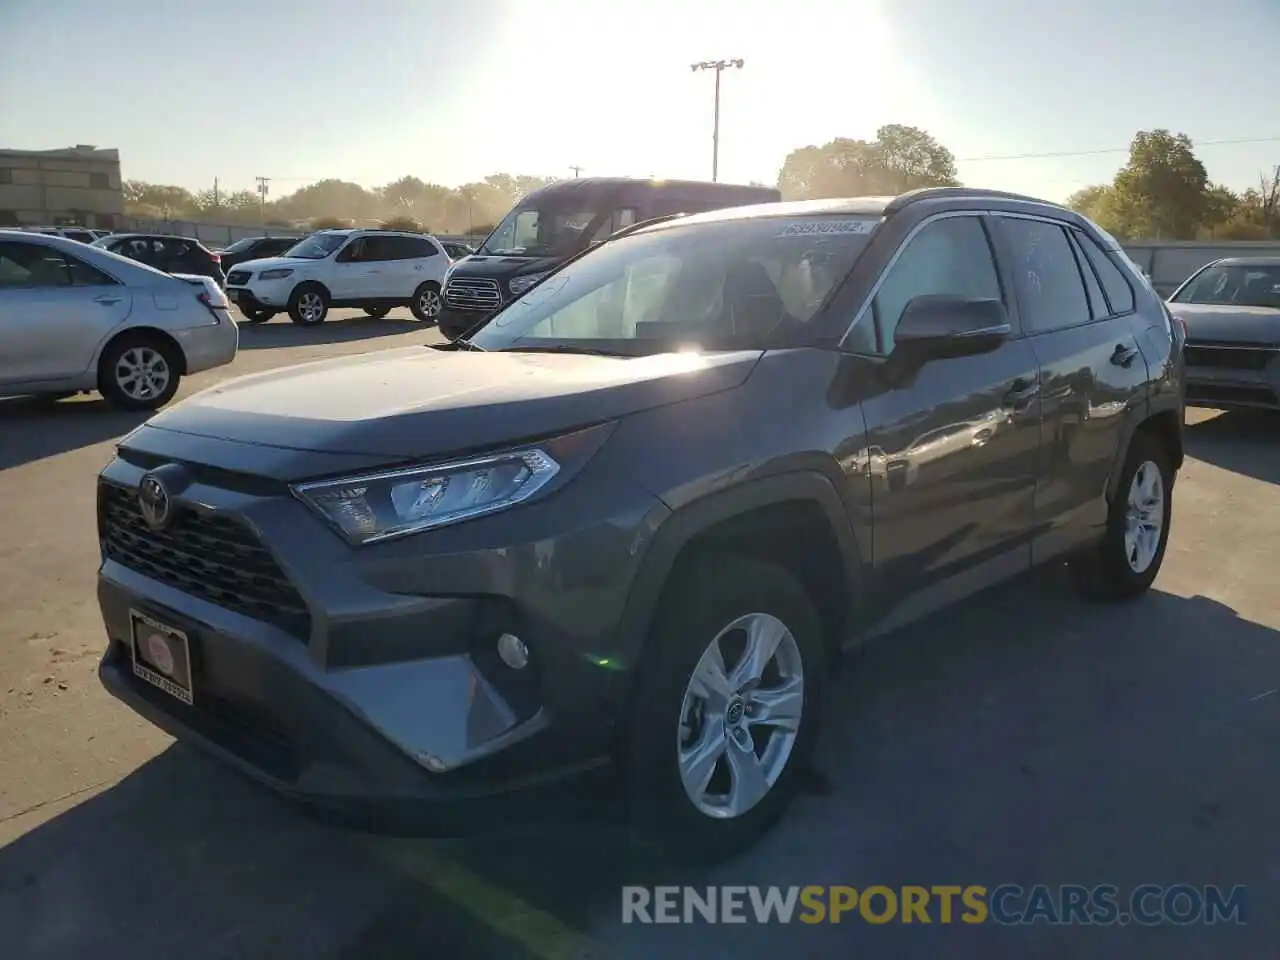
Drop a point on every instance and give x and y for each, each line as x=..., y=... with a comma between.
x=372, y=90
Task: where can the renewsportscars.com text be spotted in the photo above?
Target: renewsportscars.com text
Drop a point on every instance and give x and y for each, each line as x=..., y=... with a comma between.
x=1007, y=904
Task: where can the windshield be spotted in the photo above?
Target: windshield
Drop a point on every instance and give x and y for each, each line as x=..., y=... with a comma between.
x=1237, y=285
x=720, y=284
x=239, y=245
x=534, y=232
x=317, y=247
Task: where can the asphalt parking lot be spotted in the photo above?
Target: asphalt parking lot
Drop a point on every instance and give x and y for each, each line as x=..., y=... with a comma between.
x=1024, y=737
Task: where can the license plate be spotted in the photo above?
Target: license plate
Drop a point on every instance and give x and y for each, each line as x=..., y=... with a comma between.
x=234, y=294
x=161, y=656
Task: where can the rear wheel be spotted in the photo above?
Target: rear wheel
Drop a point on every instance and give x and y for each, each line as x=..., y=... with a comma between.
x=139, y=372
x=257, y=314
x=426, y=303
x=377, y=312
x=309, y=305
x=1126, y=562
x=725, y=712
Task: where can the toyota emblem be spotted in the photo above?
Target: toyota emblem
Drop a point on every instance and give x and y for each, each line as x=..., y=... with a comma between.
x=154, y=502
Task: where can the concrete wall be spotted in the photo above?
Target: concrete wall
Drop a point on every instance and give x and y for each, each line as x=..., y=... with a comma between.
x=215, y=235
x=52, y=187
x=1170, y=262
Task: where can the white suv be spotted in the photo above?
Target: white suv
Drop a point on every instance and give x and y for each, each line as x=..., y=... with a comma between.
x=373, y=269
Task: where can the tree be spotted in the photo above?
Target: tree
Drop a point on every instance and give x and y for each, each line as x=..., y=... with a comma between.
x=407, y=224
x=1100, y=203
x=327, y=223
x=1162, y=191
x=901, y=158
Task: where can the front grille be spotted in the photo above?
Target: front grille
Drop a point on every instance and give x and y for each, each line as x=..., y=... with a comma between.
x=215, y=558
x=1228, y=356
x=238, y=277
x=472, y=293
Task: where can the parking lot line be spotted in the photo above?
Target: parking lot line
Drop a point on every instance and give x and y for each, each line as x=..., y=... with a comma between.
x=544, y=935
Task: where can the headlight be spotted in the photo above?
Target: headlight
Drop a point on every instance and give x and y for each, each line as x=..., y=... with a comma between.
x=274, y=274
x=380, y=506
x=520, y=284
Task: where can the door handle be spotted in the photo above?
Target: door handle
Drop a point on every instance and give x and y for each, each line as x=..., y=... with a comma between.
x=1021, y=392
x=375, y=271
x=1123, y=356
x=106, y=300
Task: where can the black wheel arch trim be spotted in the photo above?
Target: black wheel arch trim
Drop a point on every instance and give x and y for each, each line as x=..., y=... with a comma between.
x=1139, y=416
x=679, y=528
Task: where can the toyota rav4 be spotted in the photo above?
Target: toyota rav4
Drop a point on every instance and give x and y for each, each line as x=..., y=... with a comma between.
x=630, y=522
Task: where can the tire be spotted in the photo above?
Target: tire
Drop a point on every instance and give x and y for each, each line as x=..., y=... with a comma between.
x=426, y=303
x=254, y=315
x=377, y=312
x=144, y=355
x=1118, y=568
x=703, y=602
x=309, y=305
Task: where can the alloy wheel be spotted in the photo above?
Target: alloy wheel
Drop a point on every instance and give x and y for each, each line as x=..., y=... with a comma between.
x=738, y=724
x=142, y=373
x=1144, y=517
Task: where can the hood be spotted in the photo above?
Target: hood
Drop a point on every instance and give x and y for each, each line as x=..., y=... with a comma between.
x=502, y=268
x=268, y=263
x=415, y=403
x=1226, y=322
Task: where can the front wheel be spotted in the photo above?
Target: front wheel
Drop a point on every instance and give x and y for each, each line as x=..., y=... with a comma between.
x=309, y=305
x=426, y=303
x=1125, y=563
x=139, y=372
x=726, y=708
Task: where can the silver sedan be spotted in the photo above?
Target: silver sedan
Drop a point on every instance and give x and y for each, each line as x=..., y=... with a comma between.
x=77, y=318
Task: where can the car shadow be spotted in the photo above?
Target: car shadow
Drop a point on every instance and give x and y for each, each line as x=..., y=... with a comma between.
x=1021, y=737
x=37, y=427
x=280, y=332
x=1242, y=441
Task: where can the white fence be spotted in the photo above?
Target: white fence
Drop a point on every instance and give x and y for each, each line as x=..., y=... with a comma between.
x=215, y=235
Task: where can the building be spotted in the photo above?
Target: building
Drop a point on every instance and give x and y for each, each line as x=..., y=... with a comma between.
x=77, y=185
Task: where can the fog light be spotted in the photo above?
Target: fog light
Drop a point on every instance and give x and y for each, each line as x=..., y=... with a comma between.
x=513, y=651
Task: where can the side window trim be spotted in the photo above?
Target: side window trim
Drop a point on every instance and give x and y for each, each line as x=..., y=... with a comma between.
x=1067, y=229
x=1103, y=251
x=1103, y=310
x=868, y=302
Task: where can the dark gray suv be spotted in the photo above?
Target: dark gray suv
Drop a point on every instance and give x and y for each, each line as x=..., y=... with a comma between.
x=629, y=524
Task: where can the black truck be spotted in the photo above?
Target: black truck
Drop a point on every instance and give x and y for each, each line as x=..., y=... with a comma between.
x=561, y=220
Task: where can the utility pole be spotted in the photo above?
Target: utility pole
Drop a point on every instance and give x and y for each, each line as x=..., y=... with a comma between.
x=719, y=66
x=215, y=194
x=576, y=171
x=262, y=197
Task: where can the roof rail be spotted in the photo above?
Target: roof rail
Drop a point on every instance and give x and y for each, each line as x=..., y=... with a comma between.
x=935, y=193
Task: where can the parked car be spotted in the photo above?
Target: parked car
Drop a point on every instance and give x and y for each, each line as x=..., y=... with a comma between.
x=373, y=269
x=1231, y=309
x=79, y=234
x=74, y=318
x=560, y=220
x=634, y=519
x=168, y=253
x=254, y=248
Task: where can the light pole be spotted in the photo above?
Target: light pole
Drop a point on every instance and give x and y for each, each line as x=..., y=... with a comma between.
x=719, y=66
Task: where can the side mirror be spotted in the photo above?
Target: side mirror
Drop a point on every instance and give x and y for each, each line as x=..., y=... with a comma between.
x=937, y=327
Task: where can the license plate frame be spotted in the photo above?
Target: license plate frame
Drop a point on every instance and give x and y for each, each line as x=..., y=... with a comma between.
x=165, y=662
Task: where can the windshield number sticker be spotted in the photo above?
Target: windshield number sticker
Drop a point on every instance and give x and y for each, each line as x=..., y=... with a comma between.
x=826, y=228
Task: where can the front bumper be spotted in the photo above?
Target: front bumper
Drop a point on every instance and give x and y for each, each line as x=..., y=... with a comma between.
x=1235, y=378
x=389, y=702
x=267, y=293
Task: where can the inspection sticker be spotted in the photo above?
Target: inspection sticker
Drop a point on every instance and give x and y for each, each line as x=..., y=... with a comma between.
x=826, y=228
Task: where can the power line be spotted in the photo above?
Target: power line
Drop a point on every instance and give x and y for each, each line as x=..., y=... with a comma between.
x=1108, y=150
